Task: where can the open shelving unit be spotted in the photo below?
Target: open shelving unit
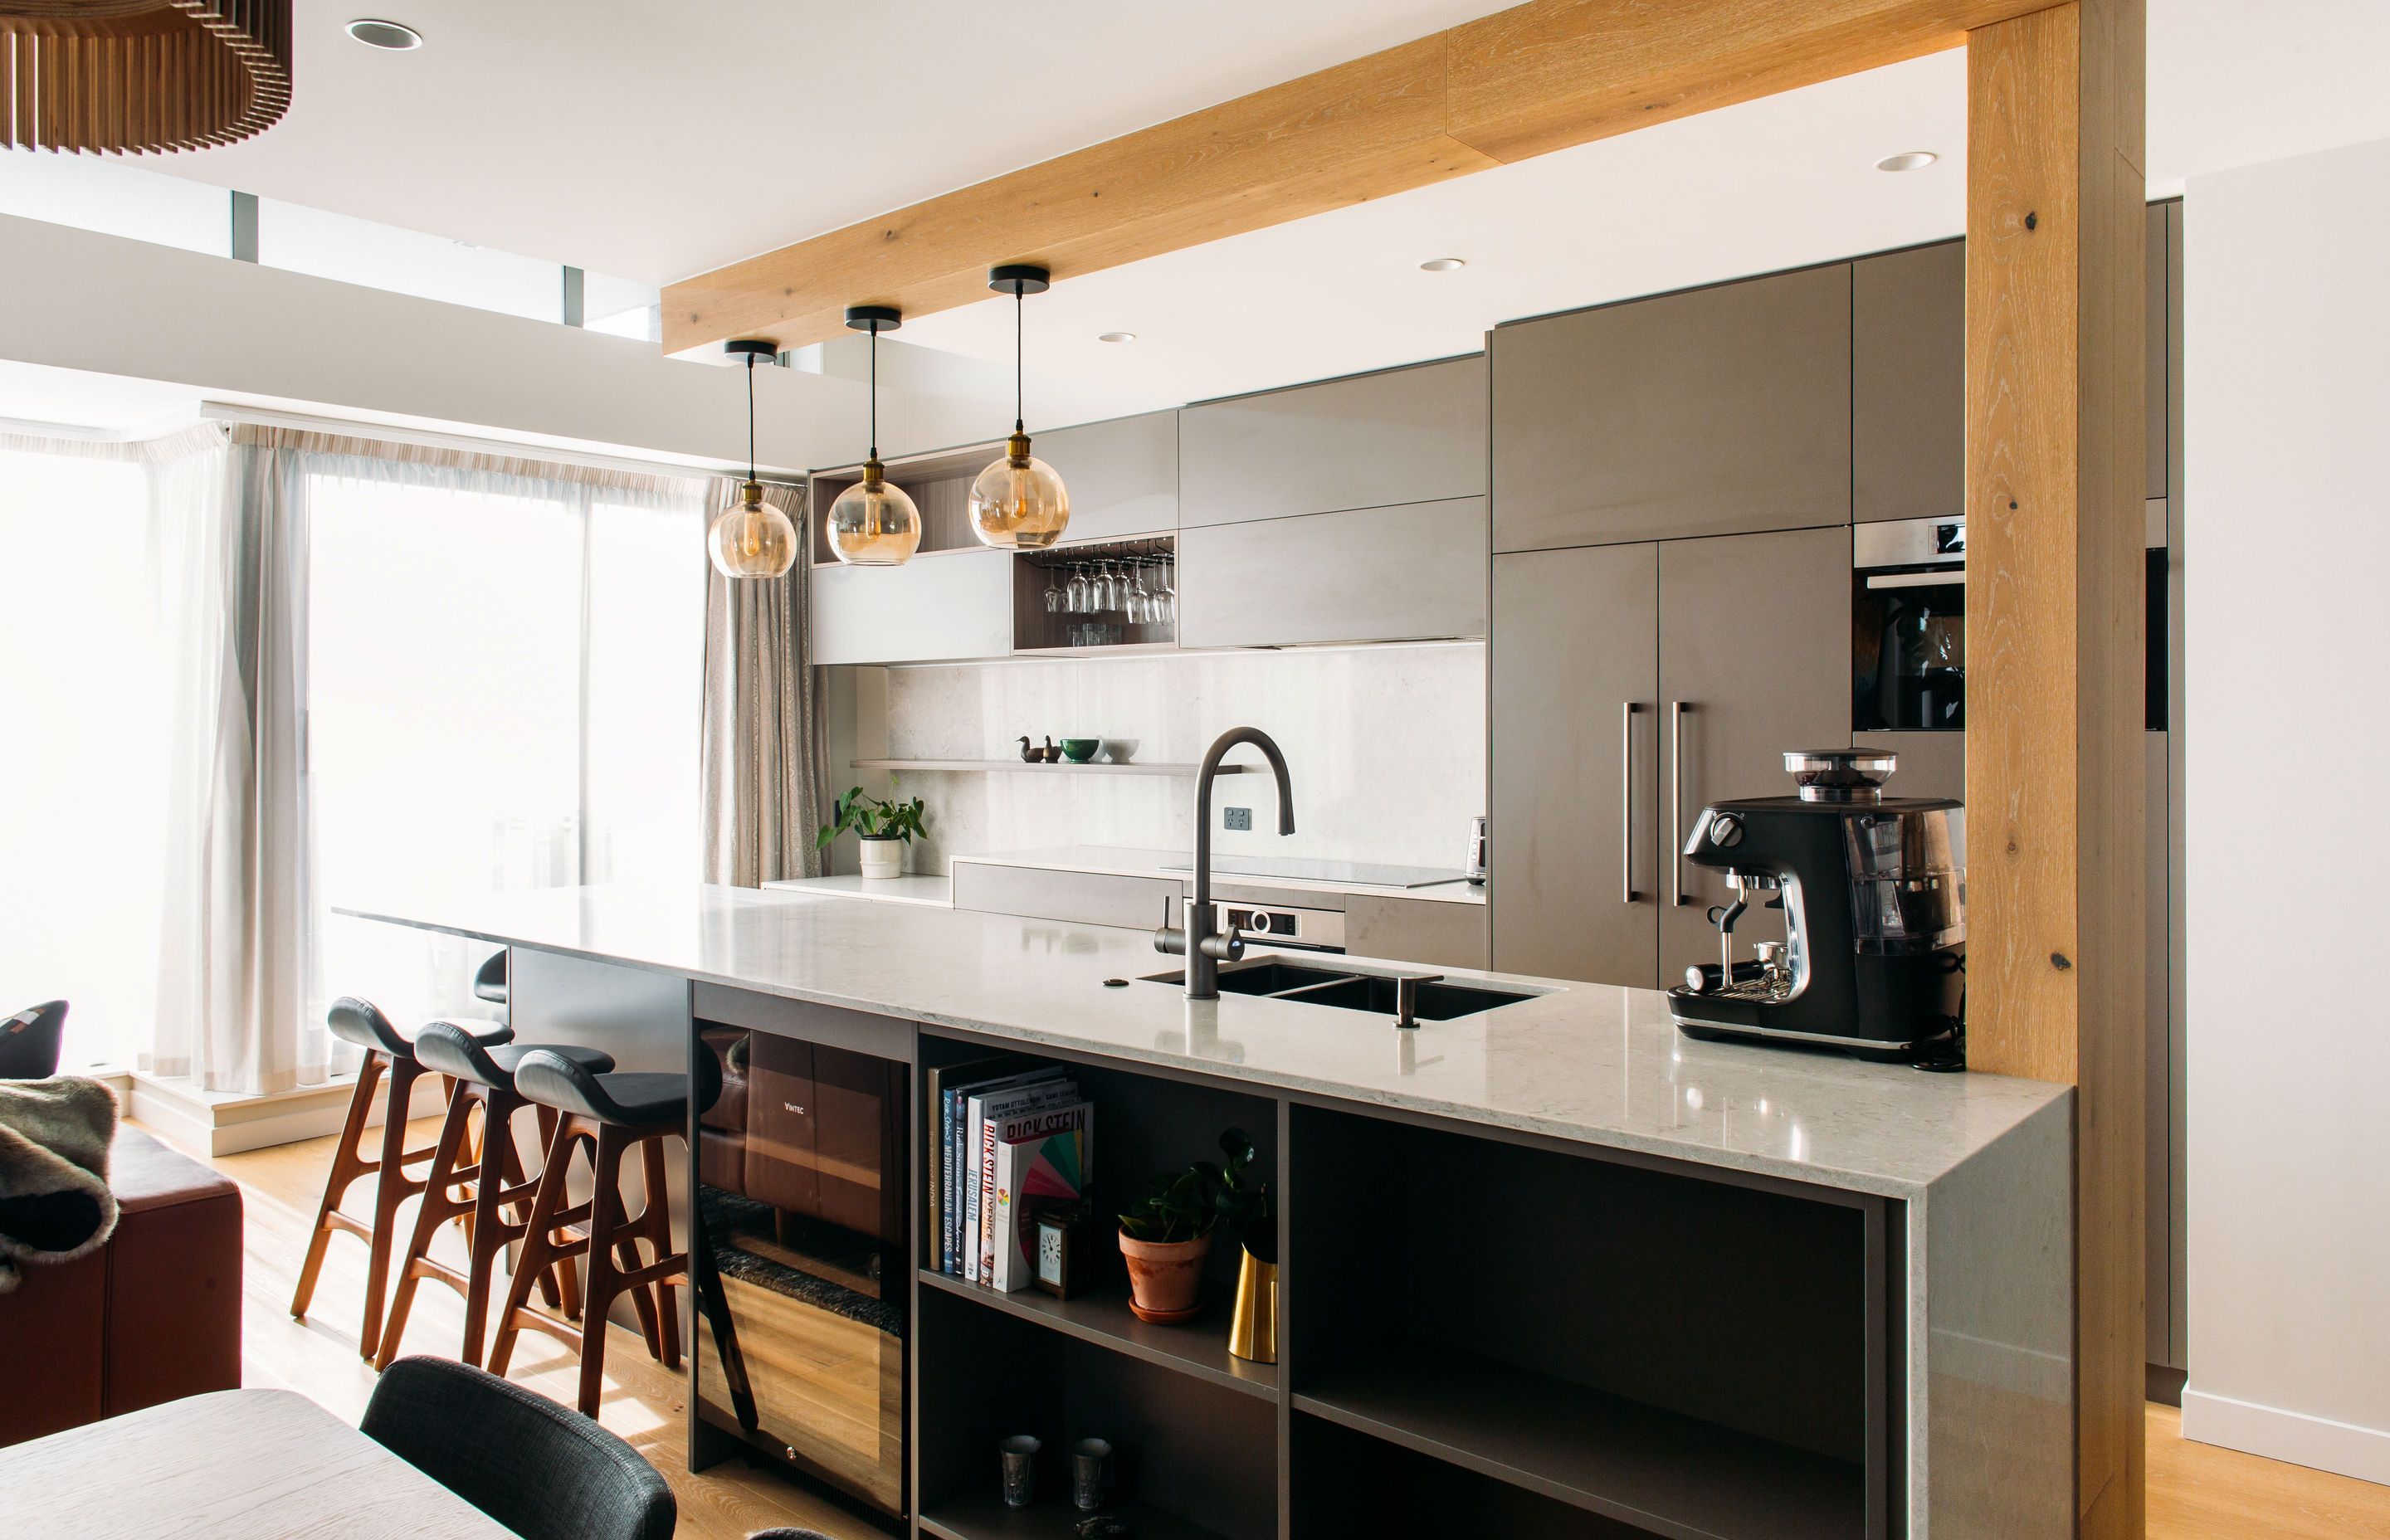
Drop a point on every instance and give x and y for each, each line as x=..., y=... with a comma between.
x=1199, y=1347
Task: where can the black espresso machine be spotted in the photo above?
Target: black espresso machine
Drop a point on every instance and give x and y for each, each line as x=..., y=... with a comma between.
x=1873, y=892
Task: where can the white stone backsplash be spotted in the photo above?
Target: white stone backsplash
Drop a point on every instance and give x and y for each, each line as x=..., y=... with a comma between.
x=1385, y=745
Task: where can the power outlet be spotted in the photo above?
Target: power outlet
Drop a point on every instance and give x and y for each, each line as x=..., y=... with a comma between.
x=1237, y=817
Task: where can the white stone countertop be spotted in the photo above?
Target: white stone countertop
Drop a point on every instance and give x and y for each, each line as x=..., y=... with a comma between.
x=1172, y=864
x=1597, y=1064
x=911, y=888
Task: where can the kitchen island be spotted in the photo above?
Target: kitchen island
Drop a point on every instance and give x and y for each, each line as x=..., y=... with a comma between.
x=1551, y=1268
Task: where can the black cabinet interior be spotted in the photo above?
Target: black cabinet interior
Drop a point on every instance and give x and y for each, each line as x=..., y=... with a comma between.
x=1348, y=1483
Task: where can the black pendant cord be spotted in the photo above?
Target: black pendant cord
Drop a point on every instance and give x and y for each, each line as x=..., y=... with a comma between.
x=751, y=416
x=1016, y=358
x=875, y=392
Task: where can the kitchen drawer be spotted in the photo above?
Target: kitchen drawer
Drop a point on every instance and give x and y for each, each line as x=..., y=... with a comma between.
x=1428, y=931
x=1716, y=411
x=1077, y=898
x=1123, y=475
x=1410, y=435
x=1366, y=575
x=956, y=605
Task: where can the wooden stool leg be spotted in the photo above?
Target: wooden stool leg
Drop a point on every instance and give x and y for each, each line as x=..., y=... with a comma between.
x=436, y=1209
x=567, y=1271
x=347, y=1166
x=498, y=1133
x=489, y=1230
x=604, y=1282
x=659, y=1236
x=539, y=1241
x=390, y=1189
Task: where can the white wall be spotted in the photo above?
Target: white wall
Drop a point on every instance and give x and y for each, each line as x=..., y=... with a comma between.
x=1385, y=747
x=2287, y=552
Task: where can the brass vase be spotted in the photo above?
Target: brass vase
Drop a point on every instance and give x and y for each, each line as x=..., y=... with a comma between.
x=1252, y=1324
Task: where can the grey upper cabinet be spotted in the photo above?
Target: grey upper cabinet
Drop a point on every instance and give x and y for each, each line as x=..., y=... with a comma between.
x=1362, y=575
x=1710, y=412
x=1755, y=659
x=1123, y=475
x=1908, y=383
x=1573, y=703
x=1409, y=435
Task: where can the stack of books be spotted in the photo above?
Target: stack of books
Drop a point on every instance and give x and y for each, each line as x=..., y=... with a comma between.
x=1011, y=1140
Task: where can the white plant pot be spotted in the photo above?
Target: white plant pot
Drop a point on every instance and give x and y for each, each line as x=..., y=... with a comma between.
x=883, y=858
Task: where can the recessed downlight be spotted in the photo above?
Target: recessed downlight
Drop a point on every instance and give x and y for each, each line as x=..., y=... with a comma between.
x=395, y=36
x=1116, y=337
x=1443, y=264
x=1908, y=159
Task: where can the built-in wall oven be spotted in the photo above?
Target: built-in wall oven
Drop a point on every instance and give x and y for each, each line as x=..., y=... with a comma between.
x=1908, y=624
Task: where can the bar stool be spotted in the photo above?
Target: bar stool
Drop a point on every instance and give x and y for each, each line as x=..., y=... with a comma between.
x=611, y=1115
x=392, y=1056
x=492, y=979
x=484, y=1079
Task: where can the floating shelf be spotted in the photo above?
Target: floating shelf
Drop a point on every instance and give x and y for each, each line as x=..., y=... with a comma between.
x=1638, y=1464
x=1003, y=764
x=1199, y=1347
x=1051, y=1518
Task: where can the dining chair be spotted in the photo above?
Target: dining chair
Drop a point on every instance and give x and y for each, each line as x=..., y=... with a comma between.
x=537, y=1468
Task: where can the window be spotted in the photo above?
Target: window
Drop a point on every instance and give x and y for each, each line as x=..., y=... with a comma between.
x=407, y=261
x=82, y=773
x=504, y=682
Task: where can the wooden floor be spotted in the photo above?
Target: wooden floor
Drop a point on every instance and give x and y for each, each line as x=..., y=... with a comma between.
x=2197, y=1491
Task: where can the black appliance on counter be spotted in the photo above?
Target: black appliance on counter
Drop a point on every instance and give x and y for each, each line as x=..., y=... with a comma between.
x=1872, y=890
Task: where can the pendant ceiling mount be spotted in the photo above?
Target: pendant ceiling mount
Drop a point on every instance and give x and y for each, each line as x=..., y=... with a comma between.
x=1019, y=504
x=141, y=76
x=874, y=522
x=751, y=539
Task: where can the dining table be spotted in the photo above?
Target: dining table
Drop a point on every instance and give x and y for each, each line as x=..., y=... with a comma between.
x=251, y=1464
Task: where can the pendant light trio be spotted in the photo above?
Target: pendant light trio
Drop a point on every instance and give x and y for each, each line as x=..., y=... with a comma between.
x=1016, y=504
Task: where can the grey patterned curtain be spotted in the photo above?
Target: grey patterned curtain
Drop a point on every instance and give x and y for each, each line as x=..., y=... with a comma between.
x=763, y=749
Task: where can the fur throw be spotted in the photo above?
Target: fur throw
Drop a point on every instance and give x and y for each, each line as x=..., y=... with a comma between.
x=55, y=1201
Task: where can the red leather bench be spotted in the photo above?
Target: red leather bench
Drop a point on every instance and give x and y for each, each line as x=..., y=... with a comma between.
x=153, y=1315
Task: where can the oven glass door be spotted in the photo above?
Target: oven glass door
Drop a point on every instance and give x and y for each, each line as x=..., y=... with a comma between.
x=1908, y=650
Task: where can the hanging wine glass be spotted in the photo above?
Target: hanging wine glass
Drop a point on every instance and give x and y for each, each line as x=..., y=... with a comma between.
x=1054, y=594
x=1141, y=599
x=1078, y=591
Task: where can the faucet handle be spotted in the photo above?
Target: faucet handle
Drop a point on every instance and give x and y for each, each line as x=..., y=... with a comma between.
x=1225, y=949
x=1168, y=939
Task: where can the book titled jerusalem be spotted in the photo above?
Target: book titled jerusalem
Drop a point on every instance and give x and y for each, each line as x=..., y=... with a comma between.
x=1041, y=1159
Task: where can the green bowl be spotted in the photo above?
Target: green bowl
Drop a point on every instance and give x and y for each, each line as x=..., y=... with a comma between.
x=1079, y=751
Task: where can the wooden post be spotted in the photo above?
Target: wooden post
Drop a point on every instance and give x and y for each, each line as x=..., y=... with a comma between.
x=2055, y=191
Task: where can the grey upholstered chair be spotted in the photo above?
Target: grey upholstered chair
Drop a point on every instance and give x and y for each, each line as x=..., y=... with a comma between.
x=541, y=1469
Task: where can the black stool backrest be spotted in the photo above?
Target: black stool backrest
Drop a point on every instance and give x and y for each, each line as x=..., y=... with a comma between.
x=362, y=1022
x=447, y=1048
x=541, y=1469
x=490, y=982
x=30, y=1040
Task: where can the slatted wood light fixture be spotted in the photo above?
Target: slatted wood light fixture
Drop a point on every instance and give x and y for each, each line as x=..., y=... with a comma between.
x=134, y=76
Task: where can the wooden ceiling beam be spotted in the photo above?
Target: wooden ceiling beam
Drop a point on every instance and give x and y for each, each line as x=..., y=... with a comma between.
x=1520, y=82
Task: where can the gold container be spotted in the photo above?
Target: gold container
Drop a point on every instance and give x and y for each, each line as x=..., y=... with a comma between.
x=1252, y=1324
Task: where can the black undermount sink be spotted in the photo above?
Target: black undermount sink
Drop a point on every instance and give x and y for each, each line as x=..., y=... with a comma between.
x=1350, y=989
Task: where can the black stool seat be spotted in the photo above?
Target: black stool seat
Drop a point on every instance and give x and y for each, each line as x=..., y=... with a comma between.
x=451, y=1048
x=362, y=1023
x=636, y=1098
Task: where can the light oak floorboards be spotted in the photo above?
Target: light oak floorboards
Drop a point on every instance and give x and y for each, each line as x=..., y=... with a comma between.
x=2197, y=1491
x=642, y=1401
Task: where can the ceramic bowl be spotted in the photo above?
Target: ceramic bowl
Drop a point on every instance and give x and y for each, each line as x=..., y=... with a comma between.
x=1119, y=751
x=1079, y=751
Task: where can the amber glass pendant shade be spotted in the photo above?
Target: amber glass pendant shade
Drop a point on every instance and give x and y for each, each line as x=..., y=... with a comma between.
x=754, y=540
x=1018, y=503
x=874, y=522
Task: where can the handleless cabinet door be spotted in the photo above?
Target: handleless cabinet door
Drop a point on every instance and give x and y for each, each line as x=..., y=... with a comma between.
x=1755, y=659
x=956, y=605
x=1362, y=575
x=1708, y=412
x=2157, y=309
x=1410, y=435
x=1123, y=475
x=1574, y=845
x=1908, y=383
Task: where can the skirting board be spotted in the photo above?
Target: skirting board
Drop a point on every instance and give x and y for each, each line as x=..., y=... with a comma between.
x=2342, y=1448
x=218, y=1127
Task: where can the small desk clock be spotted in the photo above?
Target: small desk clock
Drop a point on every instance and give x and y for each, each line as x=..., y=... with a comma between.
x=1064, y=1263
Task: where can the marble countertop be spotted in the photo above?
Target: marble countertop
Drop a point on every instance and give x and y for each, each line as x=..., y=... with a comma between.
x=1597, y=1064
x=1171, y=865
x=911, y=888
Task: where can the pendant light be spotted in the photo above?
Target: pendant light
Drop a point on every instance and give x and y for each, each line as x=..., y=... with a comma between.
x=1018, y=503
x=754, y=540
x=874, y=522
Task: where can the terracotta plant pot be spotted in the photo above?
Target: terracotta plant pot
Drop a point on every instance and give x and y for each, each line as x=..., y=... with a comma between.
x=1165, y=1278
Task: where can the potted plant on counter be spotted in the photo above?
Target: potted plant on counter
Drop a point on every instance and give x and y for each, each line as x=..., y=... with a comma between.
x=882, y=830
x=1166, y=1236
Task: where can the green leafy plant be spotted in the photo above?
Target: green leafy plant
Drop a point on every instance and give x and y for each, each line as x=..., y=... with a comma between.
x=1191, y=1204
x=872, y=818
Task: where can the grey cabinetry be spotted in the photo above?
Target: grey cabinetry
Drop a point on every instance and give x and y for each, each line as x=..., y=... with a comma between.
x=1908, y=383
x=1123, y=475
x=1409, y=435
x=948, y=604
x=1360, y=575
x=1716, y=411
x=1754, y=658
x=1573, y=703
